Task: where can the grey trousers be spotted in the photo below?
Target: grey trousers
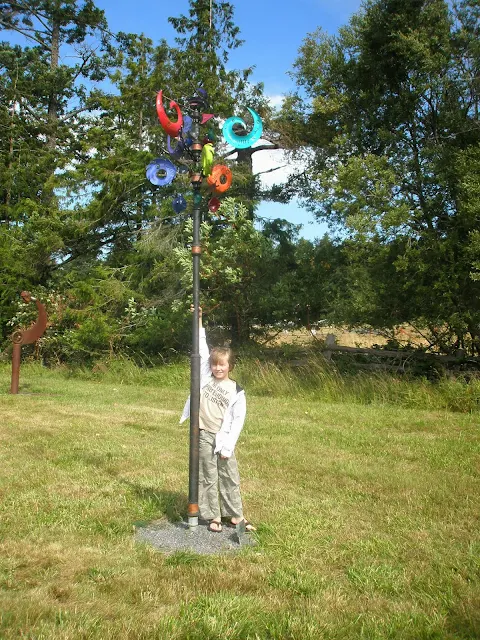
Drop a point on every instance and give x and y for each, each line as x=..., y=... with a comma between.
x=218, y=482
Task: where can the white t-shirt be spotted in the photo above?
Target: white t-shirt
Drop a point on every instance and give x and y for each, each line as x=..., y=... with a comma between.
x=214, y=400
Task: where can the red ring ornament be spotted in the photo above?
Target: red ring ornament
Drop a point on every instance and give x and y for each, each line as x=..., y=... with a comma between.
x=172, y=128
x=220, y=180
x=214, y=204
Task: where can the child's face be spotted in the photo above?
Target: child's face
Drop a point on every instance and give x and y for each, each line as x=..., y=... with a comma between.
x=220, y=369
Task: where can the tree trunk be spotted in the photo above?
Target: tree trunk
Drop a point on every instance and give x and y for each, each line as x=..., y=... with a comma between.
x=52, y=101
x=8, y=192
x=239, y=329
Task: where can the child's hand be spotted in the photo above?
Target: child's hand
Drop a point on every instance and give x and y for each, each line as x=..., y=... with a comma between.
x=200, y=312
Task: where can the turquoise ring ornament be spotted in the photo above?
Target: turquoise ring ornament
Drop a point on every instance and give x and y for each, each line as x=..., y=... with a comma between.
x=243, y=142
x=172, y=128
x=179, y=203
x=177, y=151
x=165, y=168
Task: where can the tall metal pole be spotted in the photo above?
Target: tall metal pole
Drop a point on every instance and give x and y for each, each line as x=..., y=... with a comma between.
x=193, y=511
x=192, y=146
x=196, y=180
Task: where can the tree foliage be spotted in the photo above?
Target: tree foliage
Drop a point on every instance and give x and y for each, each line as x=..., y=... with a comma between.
x=385, y=119
x=393, y=108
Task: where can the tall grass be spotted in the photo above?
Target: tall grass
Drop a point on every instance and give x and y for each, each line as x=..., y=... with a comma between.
x=316, y=378
x=310, y=378
x=124, y=371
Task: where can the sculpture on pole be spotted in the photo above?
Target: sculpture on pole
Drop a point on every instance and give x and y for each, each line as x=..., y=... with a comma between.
x=19, y=337
x=197, y=152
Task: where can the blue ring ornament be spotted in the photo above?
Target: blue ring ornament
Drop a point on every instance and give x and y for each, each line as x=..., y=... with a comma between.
x=177, y=151
x=243, y=142
x=161, y=164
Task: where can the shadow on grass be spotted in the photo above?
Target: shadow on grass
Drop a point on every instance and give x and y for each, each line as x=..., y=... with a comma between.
x=171, y=504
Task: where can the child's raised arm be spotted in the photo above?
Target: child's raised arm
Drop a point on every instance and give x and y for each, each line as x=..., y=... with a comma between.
x=203, y=347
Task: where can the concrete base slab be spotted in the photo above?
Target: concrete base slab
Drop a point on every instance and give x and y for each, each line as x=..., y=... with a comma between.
x=170, y=537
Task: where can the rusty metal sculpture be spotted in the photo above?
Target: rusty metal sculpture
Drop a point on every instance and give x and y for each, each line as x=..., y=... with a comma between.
x=27, y=336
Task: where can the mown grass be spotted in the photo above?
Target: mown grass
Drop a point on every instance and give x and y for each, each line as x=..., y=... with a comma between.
x=367, y=511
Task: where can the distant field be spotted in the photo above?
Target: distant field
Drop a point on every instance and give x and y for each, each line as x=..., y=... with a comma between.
x=348, y=338
x=367, y=518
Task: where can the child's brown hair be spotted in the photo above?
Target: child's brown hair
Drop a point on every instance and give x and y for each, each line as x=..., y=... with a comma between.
x=222, y=352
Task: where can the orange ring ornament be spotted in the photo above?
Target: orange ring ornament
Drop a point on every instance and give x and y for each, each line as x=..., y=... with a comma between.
x=220, y=180
x=171, y=128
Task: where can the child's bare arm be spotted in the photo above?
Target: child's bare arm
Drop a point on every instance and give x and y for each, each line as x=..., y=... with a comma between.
x=204, y=350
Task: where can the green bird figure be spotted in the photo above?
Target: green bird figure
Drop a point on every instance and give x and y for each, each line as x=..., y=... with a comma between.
x=207, y=158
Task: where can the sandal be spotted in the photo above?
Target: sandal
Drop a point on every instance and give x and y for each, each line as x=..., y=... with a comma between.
x=216, y=524
x=249, y=528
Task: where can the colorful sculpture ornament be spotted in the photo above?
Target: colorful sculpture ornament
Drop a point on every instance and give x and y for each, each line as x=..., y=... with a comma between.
x=177, y=151
x=243, y=142
x=161, y=171
x=187, y=124
x=172, y=128
x=220, y=180
x=164, y=166
x=214, y=204
x=207, y=158
x=179, y=203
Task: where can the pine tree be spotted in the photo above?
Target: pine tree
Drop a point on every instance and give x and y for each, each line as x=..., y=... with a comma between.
x=45, y=110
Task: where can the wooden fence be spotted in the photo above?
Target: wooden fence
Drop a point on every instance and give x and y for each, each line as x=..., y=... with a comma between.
x=398, y=360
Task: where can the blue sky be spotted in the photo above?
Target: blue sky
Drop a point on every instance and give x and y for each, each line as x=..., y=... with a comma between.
x=273, y=31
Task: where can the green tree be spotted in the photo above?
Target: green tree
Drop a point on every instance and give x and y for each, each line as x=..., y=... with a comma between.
x=235, y=269
x=119, y=203
x=254, y=280
x=49, y=25
x=392, y=107
x=205, y=38
x=45, y=110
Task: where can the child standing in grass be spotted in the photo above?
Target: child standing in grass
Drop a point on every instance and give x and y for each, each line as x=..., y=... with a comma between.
x=222, y=415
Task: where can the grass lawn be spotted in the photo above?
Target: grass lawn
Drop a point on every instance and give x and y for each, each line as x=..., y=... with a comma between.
x=367, y=514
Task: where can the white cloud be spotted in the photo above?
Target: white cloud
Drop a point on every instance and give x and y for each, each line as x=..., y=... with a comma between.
x=276, y=162
x=275, y=100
